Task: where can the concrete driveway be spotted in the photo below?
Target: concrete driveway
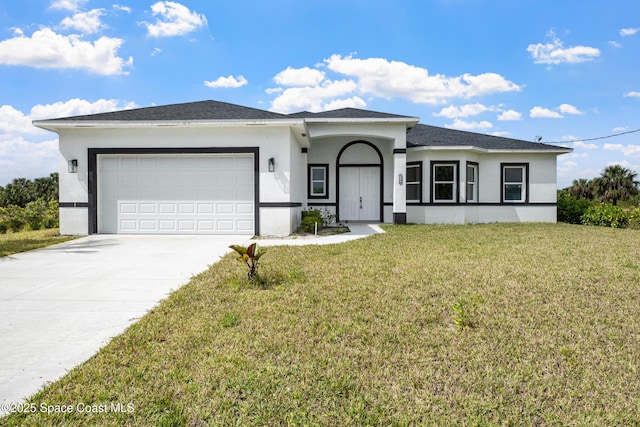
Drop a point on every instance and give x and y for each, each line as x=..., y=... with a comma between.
x=60, y=304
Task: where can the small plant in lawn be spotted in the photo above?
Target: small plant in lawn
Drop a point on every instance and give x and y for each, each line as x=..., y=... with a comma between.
x=462, y=317
x=230, y=320
x=250, y=256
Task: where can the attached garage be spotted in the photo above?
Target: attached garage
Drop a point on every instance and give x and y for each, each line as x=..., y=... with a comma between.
x=175, y=193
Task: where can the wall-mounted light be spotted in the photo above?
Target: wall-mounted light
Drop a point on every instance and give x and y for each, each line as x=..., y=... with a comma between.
x=400, y=178
x=272, y=165
x=73, y=166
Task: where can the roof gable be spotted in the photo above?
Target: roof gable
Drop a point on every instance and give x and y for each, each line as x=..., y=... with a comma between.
x=348, y=113
x=202, y=110
x=432, y=136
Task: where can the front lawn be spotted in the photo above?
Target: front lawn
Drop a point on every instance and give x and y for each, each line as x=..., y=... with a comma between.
x=12, y=243
x=545, y=331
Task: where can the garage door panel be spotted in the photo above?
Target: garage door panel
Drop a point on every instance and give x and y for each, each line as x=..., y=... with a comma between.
x=176, y=194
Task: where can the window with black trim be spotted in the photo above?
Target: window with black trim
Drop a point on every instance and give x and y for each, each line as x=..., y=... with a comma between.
x=414, y=182
x=318, y=181
x=514, y=183
x=444, y=176
x=472, y=182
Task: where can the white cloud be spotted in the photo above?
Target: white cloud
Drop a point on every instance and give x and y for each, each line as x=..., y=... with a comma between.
x=462, y=125
x=353, y=102
x=569, y=109
x=16, y=152
x=22, y=144
x=540, y=112
x=632, y=94
x=227, y=82
x=85, y=22
x=299, y=77
x=122, y=8
x=77, y=107
x=273, y=90
x=47, y=49
x=614, y=44
x=586, y=146
x=500, y=133
x=71, y=5
x=575, y=155
x=311, y=98
x=310, y=88
x=15, y=122
x=627, y=150
x=625, y=32
x=553, y=52
x=618, y=129
x=453, y=112
x=394, y=79
x=510, y=115
x=173, y=19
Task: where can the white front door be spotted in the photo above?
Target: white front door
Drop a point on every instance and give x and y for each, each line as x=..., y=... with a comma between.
x=360, y=193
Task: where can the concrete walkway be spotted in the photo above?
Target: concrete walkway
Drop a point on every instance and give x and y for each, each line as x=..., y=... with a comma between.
x=59, y=305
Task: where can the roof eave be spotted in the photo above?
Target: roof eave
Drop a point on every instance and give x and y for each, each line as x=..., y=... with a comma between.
x=489, y=150
x=405, y=120
x=55, y=125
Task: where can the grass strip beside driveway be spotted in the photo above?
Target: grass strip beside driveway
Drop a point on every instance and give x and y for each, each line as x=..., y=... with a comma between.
x=366, y=333
x=12, y=243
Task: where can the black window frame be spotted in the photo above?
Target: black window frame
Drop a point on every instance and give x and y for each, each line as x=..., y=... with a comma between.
x=525, y=182
x=310, y=180
x=456, y=181
x=475, y=165
x=417, y=165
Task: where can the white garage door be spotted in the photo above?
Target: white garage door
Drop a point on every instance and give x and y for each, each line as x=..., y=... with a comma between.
x=176, y=194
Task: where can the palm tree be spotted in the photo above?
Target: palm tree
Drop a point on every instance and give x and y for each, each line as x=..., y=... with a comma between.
x=615, y=183
x=581, y=189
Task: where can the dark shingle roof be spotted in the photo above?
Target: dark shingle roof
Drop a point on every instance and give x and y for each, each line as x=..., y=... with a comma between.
x=348, y=113
x=202, y=110
x=432, y=136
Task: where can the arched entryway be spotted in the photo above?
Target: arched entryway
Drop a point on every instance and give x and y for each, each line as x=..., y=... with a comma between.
x=359, y=182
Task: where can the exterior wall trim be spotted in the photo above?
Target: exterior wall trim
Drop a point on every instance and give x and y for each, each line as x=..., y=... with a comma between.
x=279, y=205
x=92, y=162
x=380, y=165
x=73, y=204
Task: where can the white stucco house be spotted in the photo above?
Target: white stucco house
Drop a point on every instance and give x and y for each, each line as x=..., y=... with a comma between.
x=218, y=168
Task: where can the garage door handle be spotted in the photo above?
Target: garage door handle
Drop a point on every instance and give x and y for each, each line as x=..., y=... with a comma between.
x=360, y=202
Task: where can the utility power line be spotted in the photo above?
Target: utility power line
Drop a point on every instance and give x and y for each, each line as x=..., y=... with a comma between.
x=590, y=139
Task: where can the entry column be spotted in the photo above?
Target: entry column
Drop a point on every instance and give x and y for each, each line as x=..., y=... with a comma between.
x=399, y=188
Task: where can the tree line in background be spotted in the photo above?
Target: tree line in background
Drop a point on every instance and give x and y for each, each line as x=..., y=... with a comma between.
x=596, y=201
x=29, y=204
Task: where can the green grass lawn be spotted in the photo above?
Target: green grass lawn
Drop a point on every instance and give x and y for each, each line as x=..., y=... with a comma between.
x=365, y=333
x=11, y=243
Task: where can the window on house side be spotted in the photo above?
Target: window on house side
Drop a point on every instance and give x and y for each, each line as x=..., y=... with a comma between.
x=444, y=182
x=514, y=183
x=318, y=181
x=414, y=182
x=472, y=183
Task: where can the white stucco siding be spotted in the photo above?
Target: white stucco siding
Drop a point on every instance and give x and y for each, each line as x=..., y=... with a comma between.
x=541, y=170
x=542, y=173
x=271, y=141
x=325, y=151
x=477, y=214
x=541, y=188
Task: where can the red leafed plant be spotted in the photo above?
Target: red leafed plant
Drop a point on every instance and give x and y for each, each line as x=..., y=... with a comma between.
x=250, y=256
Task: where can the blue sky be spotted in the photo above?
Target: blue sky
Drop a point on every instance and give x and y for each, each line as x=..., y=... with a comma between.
x=564, y=70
